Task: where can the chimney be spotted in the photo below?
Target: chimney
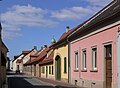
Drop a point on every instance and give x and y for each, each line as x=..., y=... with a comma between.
x=34, y=47
x=41, y=47
x=45, y=46
x=67, y=29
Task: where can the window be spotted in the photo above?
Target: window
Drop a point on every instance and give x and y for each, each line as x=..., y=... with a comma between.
x=76, y=60
x=108, y=51
x=52, y=70
x=65, y=65
x=94, y=58
x=84, y=59
x=43, y=69
x=49, y=69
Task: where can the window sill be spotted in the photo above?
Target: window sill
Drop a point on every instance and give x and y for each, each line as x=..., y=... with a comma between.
x=83, y=70
x=65, y=72
x=93, y=70
x=75, y=70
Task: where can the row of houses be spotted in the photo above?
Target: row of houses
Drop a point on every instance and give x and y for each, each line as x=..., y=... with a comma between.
x=3, y=59
x=87, y=55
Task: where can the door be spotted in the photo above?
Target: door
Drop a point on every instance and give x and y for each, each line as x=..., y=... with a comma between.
x=18, y=67
x=46, y=71
x=108, y=57
x=39, y=71
x=58, y=68
x=35, y=70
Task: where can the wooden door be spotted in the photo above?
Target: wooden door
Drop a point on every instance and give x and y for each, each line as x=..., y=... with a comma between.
x=58, y=68
x=108, y=58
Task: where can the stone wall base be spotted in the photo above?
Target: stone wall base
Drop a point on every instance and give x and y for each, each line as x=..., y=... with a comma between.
x=87, y=83
x=90, y=83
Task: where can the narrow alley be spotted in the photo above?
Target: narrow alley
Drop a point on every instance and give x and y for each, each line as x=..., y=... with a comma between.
x=16, y=80
x=23, y=81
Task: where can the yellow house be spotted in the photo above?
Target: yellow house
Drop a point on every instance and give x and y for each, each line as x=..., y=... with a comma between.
x=47, y=65
x=61, y=57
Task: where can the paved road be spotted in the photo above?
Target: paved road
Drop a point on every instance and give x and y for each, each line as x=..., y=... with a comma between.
x=22, y=81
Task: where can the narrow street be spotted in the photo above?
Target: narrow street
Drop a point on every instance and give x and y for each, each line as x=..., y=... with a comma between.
x=22, y=81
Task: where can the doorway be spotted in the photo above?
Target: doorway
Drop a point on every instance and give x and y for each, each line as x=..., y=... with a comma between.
x=46, y=71
x=58, y=67
x=108, y=58
x=34, y=69
x=39, y=71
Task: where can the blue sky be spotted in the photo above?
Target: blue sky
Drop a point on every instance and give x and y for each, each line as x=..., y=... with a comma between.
x=28, y=23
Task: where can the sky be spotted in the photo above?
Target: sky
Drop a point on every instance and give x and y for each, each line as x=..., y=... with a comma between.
x=28, y=23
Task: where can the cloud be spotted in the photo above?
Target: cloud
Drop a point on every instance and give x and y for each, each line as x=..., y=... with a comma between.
x=99, y=3
x=81, y=12
x=27, y=16
x=17, y=16
x=74, y=13
x=10, y=34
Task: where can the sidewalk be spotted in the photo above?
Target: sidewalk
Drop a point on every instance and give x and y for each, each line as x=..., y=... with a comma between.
x=59, y=84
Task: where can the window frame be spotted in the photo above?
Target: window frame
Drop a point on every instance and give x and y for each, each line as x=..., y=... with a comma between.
x=94, y=59
x=76, y=68
x=49, y=69
x=84, y=60
x=52, y=70
x=65, y=65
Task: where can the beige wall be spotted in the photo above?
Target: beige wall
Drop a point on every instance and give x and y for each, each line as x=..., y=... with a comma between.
x=62, y=52
x=49, y=76
x=27, y=57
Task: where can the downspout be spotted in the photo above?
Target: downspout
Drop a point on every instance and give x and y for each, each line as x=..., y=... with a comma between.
x=118, y=56
x=69, y=70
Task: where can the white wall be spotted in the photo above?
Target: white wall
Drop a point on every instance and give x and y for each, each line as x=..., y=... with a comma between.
x=14, y=63
x=11, y=65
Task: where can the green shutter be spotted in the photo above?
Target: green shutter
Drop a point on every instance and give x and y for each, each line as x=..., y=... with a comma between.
x=52, y=70
x=49, y=69
x=65, y=65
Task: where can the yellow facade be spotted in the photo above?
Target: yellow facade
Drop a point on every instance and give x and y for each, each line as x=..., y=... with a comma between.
x=62, y=52
x=47, y=71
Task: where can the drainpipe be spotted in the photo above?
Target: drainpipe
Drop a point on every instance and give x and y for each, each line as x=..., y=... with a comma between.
x=118, y=56
x=69, y=70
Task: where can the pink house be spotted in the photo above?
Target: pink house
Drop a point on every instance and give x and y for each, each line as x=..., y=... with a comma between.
x=93, y=49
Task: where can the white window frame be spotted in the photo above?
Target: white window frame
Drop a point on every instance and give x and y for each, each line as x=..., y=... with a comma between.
x=84, y=59
x=94, y=58
x=76, y=60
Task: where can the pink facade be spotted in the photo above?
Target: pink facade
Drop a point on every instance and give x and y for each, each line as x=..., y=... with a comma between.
x=37, y=70
x=98, y=39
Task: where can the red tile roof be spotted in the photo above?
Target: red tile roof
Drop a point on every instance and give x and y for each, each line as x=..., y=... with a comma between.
x=41, y=56
x=28, y=62
x=26, y=51
x=19, y=61
x=64, y=35
x=48, y=59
